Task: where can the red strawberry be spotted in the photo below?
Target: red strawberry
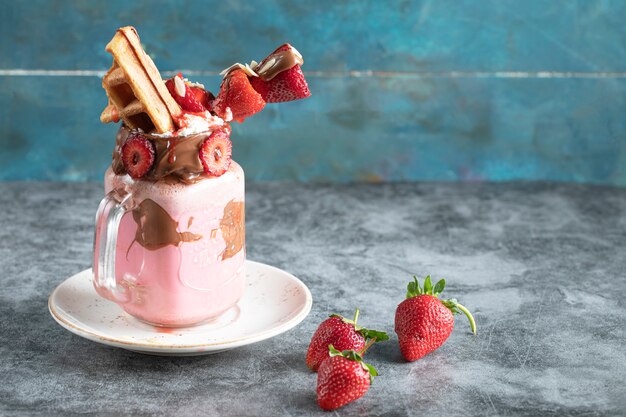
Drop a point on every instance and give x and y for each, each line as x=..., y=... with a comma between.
x=137, y=155
x=343, y=378
x=341, y=333
x=288, y=85
x=423, y=321
x=216, y=152
x=189, y=101
x=202, y=96
x=237, y=94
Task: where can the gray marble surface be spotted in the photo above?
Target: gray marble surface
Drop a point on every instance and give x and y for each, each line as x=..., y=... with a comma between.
x=542, y=266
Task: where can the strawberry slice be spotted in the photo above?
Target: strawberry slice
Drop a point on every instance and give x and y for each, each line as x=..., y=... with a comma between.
x=237, y=94
x=287, y=85
x=138, y=155
x=216, y=153
x=183, y=94
x=202, y=96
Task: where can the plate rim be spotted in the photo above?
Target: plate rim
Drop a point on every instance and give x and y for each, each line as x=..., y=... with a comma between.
x=195, y=348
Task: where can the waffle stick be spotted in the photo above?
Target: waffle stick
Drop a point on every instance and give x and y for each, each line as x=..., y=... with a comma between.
x=136, y=91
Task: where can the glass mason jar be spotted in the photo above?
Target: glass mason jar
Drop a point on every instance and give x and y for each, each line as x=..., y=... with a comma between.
x=170, y=248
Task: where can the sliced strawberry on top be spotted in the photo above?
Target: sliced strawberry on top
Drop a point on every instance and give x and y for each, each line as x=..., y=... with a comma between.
x=183, y=94
x=287, y=85
x=202, y=96
x=237, y=94
x=138, y=155
x=216, y=153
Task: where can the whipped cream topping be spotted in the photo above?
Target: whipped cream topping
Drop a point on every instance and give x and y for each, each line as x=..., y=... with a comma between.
x=194, y=123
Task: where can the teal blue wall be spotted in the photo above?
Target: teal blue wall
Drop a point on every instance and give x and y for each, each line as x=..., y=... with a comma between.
x=407, y=90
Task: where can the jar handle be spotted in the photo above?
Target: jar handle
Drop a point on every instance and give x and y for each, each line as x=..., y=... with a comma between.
x=110, y=212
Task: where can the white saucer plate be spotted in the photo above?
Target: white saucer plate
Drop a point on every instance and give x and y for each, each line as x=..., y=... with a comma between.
x=274, y=302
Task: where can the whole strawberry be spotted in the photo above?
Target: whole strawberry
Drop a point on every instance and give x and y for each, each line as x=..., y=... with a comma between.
x=343, y=378
x=287, y=85
x=342, y=333
x=237, y=94
x=423, y=321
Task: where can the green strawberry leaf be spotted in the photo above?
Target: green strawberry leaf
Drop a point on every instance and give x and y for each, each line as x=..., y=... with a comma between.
x=372, y=371
x=439, y=286
x=348, y=321
x=374, y=334
x=348, y=354
x=455, y=307
x=332, y=351
x=428, y=286
x=351, y=355
x=369, y=368
x=413, y=289
x=452, y=305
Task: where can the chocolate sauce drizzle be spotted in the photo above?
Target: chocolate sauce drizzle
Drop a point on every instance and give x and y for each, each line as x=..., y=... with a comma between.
x=233, y=226
x=273, y=65
x=177, y=158
x=156, y=228
x=277, y=63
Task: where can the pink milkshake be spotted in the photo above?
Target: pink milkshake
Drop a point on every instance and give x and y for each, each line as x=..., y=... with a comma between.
x=169, y=245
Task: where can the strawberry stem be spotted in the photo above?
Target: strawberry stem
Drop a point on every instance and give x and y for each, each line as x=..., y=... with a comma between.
x=367, y=346
x=469, y=317
x=356, y=317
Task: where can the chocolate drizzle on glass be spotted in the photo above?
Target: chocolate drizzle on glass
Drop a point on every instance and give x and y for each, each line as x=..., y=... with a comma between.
x=156, y=228
x=233, y=228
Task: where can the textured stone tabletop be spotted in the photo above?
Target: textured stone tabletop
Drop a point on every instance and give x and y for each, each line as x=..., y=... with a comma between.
x=542, y=266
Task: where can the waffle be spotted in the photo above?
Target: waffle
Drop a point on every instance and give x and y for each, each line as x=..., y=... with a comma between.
x=136, y=91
